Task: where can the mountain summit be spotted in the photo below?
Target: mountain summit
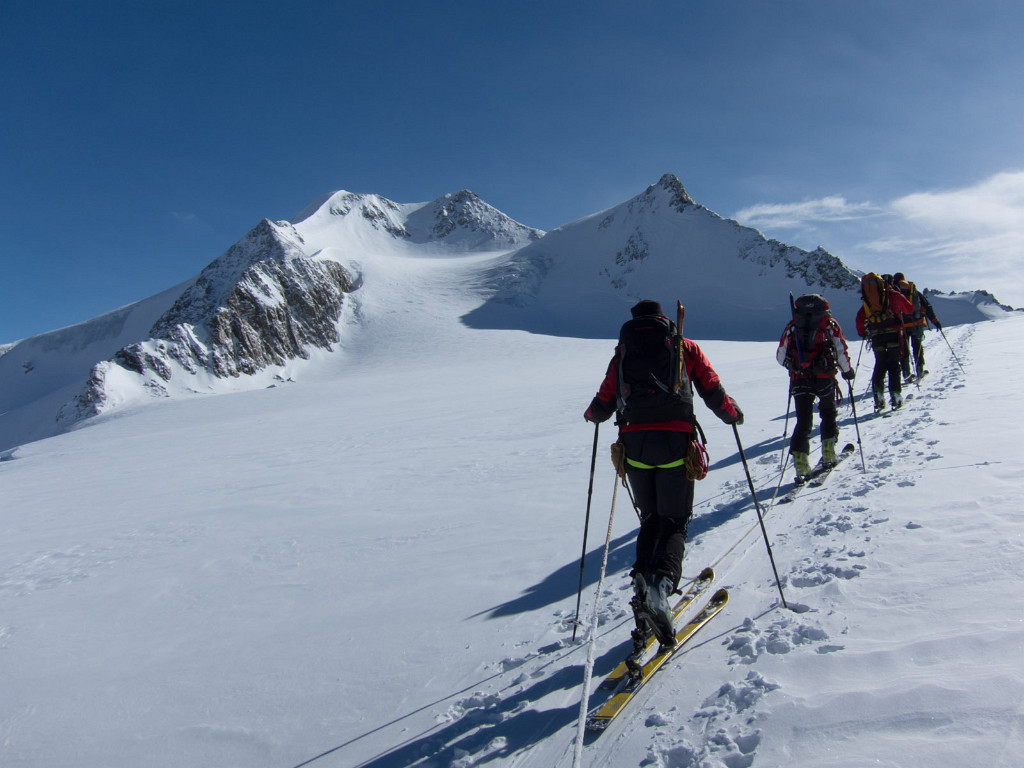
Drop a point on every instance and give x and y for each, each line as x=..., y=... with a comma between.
x=580, y=279
x=454, y=222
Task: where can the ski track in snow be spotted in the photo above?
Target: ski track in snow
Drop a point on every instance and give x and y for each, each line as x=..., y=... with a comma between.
x=534, y=696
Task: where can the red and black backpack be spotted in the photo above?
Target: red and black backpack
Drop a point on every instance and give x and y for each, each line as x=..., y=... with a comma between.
x=649, y=386
x=809, y=344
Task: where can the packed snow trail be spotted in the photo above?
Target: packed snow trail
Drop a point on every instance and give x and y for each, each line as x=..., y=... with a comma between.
x=712, y=734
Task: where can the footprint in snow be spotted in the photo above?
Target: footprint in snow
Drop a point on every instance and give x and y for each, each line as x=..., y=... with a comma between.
x=721, y=737
x=479, y=709
x=781, y=637
x=729, y=739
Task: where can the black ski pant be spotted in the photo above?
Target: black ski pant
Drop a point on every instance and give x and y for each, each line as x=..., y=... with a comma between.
x=888, y=350
x=807, y=389
x=664, y=497
x=913, y=338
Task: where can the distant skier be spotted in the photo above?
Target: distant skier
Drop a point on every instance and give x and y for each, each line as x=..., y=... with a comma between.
x=880, y=319
x=914, y=325
x=812, y=347
x=652, y=393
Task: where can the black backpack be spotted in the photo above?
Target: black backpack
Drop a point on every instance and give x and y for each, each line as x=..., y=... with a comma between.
x=652, y=385
x=810, y=347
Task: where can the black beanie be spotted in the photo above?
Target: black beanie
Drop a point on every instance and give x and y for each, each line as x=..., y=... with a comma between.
x=646, y=308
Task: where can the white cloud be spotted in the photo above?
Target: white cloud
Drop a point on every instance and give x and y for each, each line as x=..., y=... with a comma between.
x=967, y=238
x=804, y=215
x=996, y=205
x=958, y=239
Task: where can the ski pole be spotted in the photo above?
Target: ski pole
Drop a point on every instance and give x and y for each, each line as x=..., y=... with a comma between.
x=588, y=667
x=586, y=527
x=760, y=517
x=951, y=350
x=782, y=476
x=785, y=428
x=853, y=405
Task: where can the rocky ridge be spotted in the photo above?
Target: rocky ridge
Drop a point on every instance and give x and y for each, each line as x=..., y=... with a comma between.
x=273, y=297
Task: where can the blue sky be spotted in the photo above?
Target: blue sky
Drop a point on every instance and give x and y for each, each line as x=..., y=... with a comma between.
x=138, y=141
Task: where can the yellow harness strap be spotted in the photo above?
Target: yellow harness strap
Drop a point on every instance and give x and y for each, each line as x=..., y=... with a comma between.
x=641, y=465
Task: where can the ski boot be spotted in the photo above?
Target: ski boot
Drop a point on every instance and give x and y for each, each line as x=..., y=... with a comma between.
x=879, y=400
x=660, y=610
x=643, y=631
x=897, y=400
x=802, y=465
x=828, y=453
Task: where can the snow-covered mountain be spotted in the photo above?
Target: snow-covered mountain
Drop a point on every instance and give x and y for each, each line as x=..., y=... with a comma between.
x=269, y=302
x=263, y=303
x=580, y=279
x=288, y=290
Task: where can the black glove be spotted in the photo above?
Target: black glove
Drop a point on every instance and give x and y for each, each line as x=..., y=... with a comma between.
x=850, y=375
x=938, y=325
x=598, y=411
x=727, y=417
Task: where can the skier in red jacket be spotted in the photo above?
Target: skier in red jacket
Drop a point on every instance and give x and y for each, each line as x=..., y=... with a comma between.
x=656, y=432
x=812, y=349
x=884, y=327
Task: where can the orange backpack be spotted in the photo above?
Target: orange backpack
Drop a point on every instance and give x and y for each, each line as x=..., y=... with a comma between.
x=875, y=293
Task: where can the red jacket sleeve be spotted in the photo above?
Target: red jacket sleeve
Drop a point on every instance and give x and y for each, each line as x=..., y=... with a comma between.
x=603, y=405
x=862, y=327
x=842, y=352
x=707, y=383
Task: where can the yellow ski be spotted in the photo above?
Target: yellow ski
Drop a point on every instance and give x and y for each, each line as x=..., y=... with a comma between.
x=695, y=590
x=600, y=717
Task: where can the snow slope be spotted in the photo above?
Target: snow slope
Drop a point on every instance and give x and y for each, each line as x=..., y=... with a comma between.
x=376, y=563
x=42, y=373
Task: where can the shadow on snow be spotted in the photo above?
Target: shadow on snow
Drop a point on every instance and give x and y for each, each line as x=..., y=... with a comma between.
x=562, y=583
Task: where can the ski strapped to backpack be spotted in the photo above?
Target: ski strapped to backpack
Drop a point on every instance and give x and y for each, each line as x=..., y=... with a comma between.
x=680, y=314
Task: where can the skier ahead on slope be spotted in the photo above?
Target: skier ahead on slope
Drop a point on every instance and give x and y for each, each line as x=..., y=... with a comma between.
x=914, y=325
x=656, y=430
x=880, y=319
x=812, y=347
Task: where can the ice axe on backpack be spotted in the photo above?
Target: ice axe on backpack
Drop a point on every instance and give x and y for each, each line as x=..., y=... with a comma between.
x=680, y=314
